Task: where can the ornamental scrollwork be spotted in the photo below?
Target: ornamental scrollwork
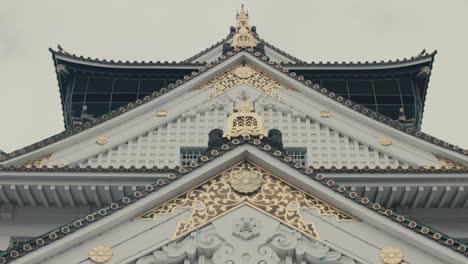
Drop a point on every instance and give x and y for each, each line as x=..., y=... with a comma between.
x=243, y=74
x=283, y=246
x=274, y=197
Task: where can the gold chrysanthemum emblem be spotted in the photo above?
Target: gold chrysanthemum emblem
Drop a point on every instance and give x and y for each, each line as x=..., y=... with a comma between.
x=243, y=72
x=100, y=254
x=245, y=181
x=391, y=255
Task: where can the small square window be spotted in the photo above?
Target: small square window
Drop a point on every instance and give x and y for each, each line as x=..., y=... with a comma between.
x=299, y=155
x=187, y=155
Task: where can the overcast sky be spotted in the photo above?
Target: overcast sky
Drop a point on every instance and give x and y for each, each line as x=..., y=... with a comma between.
x=350, y=30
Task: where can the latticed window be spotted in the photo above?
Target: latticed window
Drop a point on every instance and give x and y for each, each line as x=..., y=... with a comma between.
x=188, y=155
x=299, y=155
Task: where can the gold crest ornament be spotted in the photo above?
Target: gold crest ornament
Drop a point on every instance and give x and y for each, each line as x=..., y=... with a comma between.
x=385, y=141
x=244, y=122
x=391, y=255
x=243, y=72
x=325, y=114
x=162, y=113
x=100, y=254
x=101, y=140
x=243, y=37
x=246, y=181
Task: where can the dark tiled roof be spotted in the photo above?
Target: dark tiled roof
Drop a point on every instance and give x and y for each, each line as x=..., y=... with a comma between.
x=348, y=103
x=63, y=54
x=283, y=53
x=67, y=168
x=16, y=252
x=420, y=57
x=212, y=47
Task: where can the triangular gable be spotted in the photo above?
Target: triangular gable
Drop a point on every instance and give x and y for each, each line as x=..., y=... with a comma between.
x=214, y=162
x=348, y=104
x=243, y=231
x=322, y=143
x=246, y=183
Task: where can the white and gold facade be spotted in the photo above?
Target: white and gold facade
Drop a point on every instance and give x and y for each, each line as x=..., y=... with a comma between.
x=121, y=186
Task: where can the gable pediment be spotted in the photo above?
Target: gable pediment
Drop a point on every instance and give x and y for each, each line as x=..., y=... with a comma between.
x=245, y=235
x=248, y=184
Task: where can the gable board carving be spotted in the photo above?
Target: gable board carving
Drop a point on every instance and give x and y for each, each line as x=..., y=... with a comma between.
x=246, y=183
x=283, y=246
x=243, y=74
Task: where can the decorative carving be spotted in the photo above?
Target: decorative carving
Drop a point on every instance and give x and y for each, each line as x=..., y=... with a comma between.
x=246, y=228
x=216, y=139
x=162, y=113
x=385, y=141
x=325, y=114
x=243, y=74
x=275, y=197
x=284, y=246
x=246, y=181
x=291, y=244
x=102, y=140
x=205, y=242
x=39, y=162
x=275, y=138
x=391, y=255
x=100, y=254
x=450, y=164
x=244, y=122
x=243, y=37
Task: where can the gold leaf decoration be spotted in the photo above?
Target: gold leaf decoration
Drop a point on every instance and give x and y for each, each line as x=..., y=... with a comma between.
x=450, y=164
x=391, y=255
x=244, y=122
x=39, y=162
x=243, y=74
x=243, y=37
x=100, y=254
x=218, y=196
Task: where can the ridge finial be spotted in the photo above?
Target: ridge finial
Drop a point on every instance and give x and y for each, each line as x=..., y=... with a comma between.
x=243, y=37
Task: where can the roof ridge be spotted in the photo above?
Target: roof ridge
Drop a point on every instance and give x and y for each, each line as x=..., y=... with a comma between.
x=63, y=53
x=13, y=253
x=279, y=67
x=212, y=47
x=354, y=63
x=278, y=50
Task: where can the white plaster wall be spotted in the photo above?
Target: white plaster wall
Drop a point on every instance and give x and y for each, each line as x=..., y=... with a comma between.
x=161, y=147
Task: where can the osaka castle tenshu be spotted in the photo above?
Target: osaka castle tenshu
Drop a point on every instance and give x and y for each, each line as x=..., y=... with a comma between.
x=241, y=154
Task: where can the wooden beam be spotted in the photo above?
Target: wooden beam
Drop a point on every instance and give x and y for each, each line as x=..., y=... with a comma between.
x=55, y=195
x=28, y=194
x=42, y=196
x=68, y=195
x=16, y=196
